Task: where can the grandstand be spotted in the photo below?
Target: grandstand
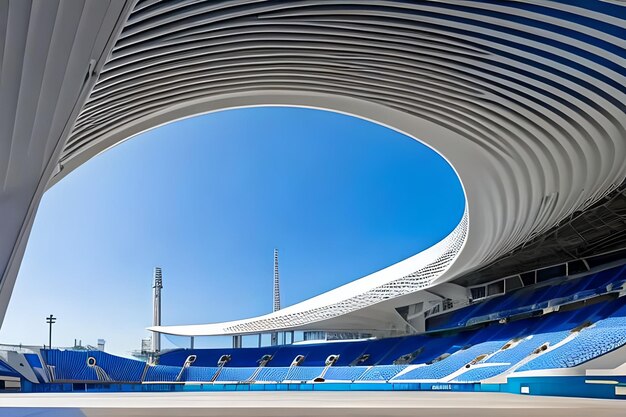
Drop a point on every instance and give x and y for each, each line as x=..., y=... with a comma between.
x=571, y=327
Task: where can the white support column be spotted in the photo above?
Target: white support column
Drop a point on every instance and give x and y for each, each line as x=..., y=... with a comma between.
x=237, y=341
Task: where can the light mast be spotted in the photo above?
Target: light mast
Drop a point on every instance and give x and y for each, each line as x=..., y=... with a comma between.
x=156, y=309
x=276, y=305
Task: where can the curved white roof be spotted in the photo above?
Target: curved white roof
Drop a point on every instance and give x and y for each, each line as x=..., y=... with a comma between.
x=524, y=99
x=406, y=277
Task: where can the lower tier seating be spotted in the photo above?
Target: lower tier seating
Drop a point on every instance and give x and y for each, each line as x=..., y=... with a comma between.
x=381, y=372
x=303, y=373
x=199, y=373
x=589, y=343
x=482, y=373
x=344, y=373
x=162, y=373
x=271, y=374
x=70, y=365
x=235, y=374
x=452, y=363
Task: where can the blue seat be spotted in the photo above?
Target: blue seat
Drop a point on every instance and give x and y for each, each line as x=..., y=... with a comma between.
x=344, y=373
x=162, y=373
x=303, y=373
x=381, y=372
x=71, y=365
x=272, y=374
x=199, y=373
x=479, y=374
x=607, y=335
x=235, y=374
x=452, y=363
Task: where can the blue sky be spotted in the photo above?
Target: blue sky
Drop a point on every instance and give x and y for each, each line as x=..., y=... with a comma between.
x=208, y=199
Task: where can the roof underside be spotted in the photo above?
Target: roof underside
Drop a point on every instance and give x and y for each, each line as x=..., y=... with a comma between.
x=597, y=230
x=525, y=99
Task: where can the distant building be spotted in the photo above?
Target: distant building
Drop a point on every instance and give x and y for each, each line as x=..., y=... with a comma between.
x=146, y=348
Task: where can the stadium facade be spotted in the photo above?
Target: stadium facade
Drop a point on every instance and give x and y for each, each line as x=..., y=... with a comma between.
x=525, y=100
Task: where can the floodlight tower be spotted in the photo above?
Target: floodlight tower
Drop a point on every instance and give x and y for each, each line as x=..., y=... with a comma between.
x=156, y=308
x=276, y=306
x=276, y=283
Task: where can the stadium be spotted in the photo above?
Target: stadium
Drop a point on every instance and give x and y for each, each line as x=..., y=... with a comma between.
x=525, y=100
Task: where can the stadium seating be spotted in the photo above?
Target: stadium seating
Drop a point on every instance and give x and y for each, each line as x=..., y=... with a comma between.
x=591, y=342
x=482, y=373
x=381, y=372
x=565, y=335
x=71, y=365
x=119, y=369
x=67, y=365
x=344, y=373
x=235, y=374
x=209, y=357
x=162, y=373
x=525, y=300
x=452, y=363
x=303, y=373
x=199, y=373
x=272, y=374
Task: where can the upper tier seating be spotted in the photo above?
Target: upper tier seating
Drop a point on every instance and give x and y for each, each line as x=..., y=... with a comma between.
x=533, y=298
x=209, y=357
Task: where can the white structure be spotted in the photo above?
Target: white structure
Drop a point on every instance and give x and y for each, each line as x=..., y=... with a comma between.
x=354, y=306
x=524, y=99
x=156, y=308
x=276, y=304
